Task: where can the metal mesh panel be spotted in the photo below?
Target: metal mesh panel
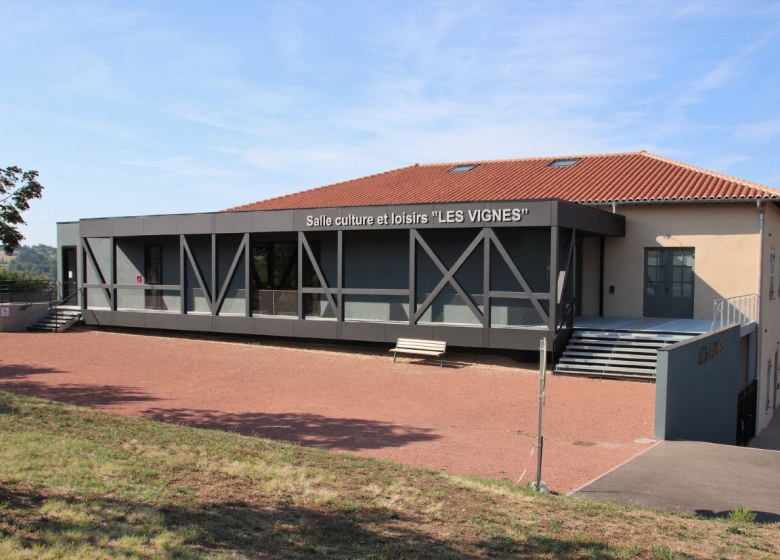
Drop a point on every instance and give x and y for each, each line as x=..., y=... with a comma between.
x=154, y=300
x=376, y=309
x=12, y=291
x=317, y=306
x=450, y=309
x=234, y=303
x=275, y=303
x=515, y=313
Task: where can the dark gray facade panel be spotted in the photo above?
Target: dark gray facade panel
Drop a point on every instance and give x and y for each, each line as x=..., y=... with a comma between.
x=589, y=220
x=539, y=213
x=408, y=210
x=316, y=329
x=95, y=228
x=161, y=321
x=190, y=322
x=273, y=327
x=128, y=319
x=124, y=227
x=160, y=225
x=273, y=220
x=371, y=332
x=394, y=332
x=194, y=223
x=235, y=325
x=233, y=222
x=697, y=385
x=459, y=336
x=516, y=339
x=366, y=267
x=97, y=318
x=322, y=214
x=372, y=212
x=455, y=215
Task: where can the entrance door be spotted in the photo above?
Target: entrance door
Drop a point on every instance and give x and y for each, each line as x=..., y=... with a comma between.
x=669, y=283
x=70, y=278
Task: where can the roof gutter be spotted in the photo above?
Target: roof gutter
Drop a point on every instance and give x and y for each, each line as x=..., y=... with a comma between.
x=675, y=202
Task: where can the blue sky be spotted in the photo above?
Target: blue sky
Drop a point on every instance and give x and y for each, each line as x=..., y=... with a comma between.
x=129, y=108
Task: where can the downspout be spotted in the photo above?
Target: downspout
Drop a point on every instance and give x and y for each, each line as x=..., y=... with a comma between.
x=759, y=324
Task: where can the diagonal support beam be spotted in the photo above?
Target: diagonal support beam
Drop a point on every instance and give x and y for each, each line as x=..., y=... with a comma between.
x=519, y=277
x=318, y=272
x=449, y=276
x=198, y=273
x=231, y=273
x=94, y=262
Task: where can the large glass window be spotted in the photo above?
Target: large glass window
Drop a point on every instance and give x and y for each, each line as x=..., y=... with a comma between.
x=153, y=275
x=153, y=264
x=276, y=266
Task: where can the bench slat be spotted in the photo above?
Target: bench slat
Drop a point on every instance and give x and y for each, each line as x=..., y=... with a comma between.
x=424, y=347
x=426, y=352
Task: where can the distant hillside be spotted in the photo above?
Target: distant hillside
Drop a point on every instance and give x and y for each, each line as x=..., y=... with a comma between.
x=38, y=260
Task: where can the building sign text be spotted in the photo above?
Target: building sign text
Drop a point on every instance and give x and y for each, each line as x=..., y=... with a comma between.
x=486, y=216
x=710, y=351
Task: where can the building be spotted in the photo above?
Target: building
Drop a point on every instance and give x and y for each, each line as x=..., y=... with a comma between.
x=492, y=254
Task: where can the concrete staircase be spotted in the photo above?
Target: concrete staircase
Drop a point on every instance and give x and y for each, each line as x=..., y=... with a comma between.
x=618, y=354
x=57, y=320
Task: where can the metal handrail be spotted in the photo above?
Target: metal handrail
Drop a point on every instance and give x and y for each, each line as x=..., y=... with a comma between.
x=30, y=289
x=741, y=310
x=57, y=288
x=57, y=305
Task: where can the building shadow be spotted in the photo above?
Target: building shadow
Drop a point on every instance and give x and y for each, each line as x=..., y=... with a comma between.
x=256, y=531
x=19, y=379
x=344, y=434
x=761, y=516
x=14, y=371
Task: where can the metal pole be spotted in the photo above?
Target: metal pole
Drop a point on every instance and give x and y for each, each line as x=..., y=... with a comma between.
x=539, y=438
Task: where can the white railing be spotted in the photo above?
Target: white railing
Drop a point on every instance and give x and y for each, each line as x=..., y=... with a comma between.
x=739, y=309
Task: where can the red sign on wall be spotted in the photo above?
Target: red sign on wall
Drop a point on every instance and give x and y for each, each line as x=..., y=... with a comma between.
x=139, y=279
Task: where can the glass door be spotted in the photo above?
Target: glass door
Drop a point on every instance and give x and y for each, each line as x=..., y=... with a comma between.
x=669, y=283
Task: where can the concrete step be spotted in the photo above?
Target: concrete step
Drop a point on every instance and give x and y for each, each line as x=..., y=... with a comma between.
x=607, y=362
x=591, y=369
x=57, y=320
x=618, y=355
x=615, y=354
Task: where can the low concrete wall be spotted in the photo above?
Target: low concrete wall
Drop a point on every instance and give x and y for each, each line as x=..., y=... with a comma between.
x=18, y=320
x=697, y=385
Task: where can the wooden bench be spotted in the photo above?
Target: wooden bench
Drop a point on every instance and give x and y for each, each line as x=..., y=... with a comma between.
x=425, y=347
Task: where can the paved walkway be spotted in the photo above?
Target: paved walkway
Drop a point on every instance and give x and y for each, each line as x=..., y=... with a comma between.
x=769, y=438
x=694, y=477
x=477, y=415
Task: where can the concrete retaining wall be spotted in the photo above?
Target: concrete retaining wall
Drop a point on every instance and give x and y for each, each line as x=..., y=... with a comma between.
x=697, y=385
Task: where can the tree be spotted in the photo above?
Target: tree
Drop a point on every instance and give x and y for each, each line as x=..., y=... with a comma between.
x=17, y=188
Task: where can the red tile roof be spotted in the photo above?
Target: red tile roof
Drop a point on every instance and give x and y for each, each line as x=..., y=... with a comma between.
x=633, y=177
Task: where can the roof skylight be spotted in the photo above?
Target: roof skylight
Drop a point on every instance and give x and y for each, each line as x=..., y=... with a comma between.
x=462, y=168
x=563, y=163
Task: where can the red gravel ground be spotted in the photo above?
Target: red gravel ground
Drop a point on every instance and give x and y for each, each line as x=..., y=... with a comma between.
x=478, y=416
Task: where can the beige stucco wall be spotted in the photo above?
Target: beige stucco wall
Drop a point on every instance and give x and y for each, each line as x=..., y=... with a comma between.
x=768, y=393
x=725, y=239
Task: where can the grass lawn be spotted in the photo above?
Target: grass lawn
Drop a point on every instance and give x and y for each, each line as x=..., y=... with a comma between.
x=77, y=482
